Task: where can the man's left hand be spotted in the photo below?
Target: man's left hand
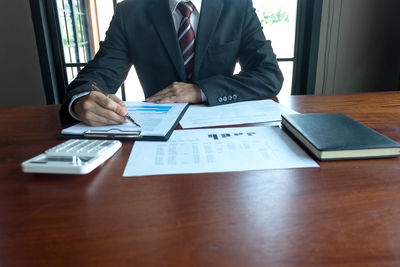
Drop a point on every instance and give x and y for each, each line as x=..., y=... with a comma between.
x=177, y=92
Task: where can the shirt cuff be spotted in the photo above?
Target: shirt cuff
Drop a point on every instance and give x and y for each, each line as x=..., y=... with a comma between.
x=73, y=99
x=203, y=96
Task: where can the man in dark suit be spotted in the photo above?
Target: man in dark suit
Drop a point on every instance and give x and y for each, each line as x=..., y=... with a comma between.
x=182, y=52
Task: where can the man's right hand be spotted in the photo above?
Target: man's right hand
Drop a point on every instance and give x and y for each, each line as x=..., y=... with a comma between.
x=96, y=109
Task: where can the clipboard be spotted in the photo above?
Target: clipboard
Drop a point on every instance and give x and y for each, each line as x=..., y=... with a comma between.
x=116, y=132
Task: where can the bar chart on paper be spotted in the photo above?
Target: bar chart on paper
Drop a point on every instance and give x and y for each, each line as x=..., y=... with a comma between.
x=149, y=109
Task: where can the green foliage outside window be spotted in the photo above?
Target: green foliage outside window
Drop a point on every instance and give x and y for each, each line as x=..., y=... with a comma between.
x=278, y=16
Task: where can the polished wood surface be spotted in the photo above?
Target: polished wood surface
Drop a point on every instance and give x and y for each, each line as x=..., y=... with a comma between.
x=343, y=213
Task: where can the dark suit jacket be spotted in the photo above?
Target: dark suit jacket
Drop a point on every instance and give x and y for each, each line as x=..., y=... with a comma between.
x=142, y=33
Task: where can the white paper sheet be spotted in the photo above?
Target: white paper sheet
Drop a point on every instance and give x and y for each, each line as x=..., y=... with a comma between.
x=198, y=116
x=155, y=119
x=217, y=150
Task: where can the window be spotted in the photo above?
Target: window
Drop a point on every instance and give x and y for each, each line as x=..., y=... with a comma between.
x=74, y=27
x=278, y=19
x=291, y=25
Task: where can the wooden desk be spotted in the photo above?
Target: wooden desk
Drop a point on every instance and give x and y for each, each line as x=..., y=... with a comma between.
x=346, y=212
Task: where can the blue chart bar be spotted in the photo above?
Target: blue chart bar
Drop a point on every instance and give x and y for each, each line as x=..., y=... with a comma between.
x=159, y=109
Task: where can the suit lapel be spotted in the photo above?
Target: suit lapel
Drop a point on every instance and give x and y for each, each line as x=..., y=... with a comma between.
x=209, y=15
x=160, y=15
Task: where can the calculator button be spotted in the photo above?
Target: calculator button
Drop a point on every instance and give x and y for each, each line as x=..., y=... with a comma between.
x=82, y=147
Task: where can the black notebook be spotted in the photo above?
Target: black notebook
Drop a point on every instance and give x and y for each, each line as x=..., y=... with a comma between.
x=331, y=136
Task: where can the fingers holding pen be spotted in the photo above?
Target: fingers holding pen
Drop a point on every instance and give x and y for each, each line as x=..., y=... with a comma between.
x=110, y=102
x=97, y=109
x=116, y=100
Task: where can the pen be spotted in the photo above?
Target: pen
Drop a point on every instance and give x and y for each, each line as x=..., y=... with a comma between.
x=97, y=88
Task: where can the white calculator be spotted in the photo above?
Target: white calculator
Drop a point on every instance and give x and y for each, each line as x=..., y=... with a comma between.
x=75, y=156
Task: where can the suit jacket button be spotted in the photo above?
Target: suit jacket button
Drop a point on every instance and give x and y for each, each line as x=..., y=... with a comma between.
x=234, y=96
x=225, y=98
x=220, y=99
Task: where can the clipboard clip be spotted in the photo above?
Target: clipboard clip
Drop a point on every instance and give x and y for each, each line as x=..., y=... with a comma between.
x=112, y=133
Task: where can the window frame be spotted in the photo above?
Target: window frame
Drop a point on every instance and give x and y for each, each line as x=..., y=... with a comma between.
x=50, y=49
x=308, y=25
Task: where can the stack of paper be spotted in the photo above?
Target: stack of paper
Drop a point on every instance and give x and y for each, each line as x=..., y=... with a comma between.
x=222, y=149
x=232, y=114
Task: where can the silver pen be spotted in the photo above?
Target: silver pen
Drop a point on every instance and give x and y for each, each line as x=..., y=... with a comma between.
x=97, y=88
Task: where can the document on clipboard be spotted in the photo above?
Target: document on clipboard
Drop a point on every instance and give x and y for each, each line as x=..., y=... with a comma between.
x=157, y=123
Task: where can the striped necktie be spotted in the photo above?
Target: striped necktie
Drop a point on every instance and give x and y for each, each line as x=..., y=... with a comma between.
x=186, y=37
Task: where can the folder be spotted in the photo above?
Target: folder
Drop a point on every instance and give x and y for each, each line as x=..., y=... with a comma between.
x=157, y=121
